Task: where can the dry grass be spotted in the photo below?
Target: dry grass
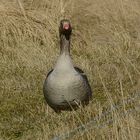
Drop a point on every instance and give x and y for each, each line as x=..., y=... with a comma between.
x=105, y=44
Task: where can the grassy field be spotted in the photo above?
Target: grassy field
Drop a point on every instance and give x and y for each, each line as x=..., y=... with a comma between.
x=105, y=44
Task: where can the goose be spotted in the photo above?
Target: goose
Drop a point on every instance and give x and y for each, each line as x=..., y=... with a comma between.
x=66, y=87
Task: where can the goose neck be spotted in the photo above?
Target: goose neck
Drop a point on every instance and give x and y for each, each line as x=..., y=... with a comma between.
x=64, y=45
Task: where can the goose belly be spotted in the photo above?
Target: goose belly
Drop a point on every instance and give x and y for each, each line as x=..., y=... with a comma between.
x=66, y=89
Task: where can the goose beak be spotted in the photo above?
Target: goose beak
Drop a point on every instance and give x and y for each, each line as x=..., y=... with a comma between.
x=66, y=26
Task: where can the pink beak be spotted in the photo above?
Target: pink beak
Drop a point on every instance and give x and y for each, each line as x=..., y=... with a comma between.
x=66, y=26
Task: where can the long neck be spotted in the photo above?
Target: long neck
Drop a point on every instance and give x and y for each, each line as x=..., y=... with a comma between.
x=64, y=45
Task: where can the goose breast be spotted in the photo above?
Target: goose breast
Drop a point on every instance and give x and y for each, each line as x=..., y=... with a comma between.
x=65, y=87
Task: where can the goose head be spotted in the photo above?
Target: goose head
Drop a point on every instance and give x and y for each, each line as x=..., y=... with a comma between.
x=65, y=28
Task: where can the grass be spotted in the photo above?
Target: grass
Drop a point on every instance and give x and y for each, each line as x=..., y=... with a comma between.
x=105, y=44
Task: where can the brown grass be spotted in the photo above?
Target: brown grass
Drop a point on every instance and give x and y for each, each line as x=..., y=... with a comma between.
x=105, y=44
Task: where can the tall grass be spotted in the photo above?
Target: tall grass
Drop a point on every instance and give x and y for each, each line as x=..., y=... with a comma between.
x=105, y=44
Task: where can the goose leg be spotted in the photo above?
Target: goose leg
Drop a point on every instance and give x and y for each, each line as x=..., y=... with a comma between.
x=57, y=111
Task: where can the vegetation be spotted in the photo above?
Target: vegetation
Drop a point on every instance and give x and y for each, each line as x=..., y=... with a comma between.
x=105, y=44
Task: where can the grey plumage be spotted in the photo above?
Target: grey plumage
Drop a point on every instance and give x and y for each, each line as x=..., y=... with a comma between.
x=66, y=86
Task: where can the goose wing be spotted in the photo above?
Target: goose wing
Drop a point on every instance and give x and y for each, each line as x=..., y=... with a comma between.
x=85, y=78
x=49, y=72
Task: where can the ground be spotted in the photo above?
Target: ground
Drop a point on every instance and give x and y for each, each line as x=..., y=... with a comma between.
x=105, y=44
